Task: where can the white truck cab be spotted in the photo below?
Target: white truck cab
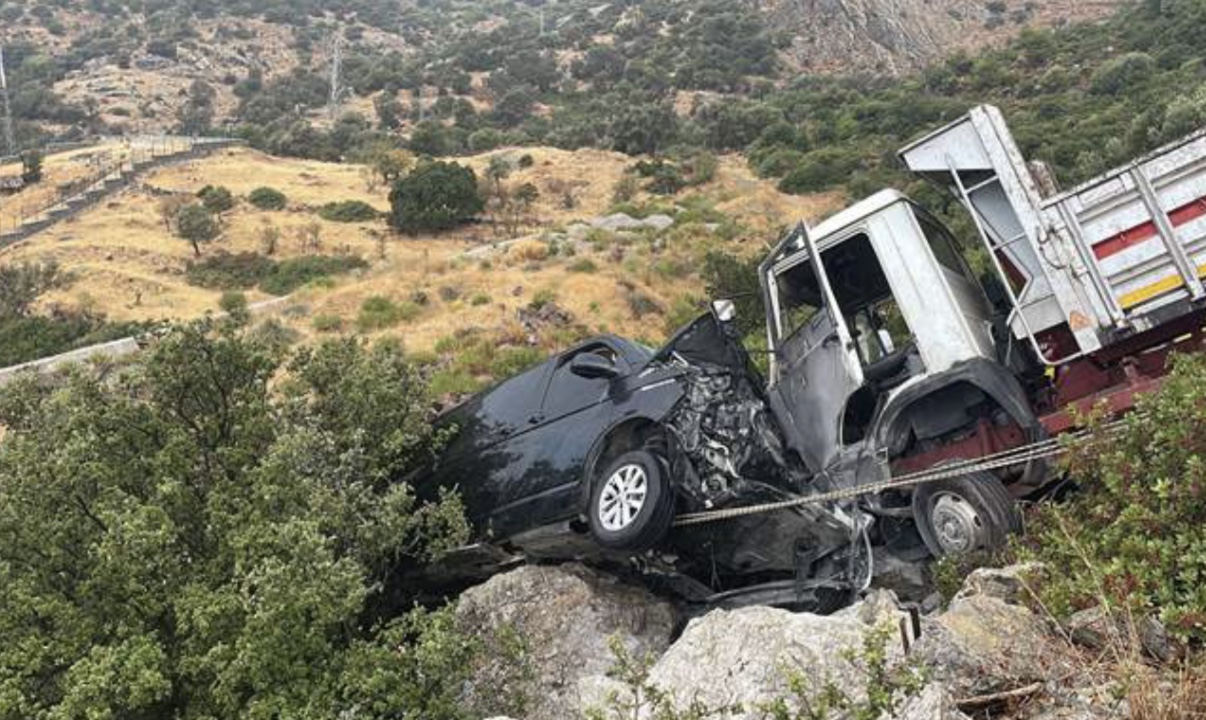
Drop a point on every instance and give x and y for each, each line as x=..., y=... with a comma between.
x=868, y=303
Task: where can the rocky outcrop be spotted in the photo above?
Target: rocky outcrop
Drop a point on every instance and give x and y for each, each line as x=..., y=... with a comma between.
x=564, y=619
x=748, y=657
x=895, y=36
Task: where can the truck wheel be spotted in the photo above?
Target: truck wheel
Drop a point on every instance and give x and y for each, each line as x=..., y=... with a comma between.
x=965, y=514
x=632, y=504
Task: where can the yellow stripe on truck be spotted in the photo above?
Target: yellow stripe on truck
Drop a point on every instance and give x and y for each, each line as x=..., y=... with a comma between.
x=1147, y=292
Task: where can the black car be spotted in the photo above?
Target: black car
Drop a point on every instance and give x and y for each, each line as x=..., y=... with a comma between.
x=593, y=453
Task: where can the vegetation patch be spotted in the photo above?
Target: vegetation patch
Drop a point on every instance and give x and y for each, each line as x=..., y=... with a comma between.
x=229, y=271
x=348, y=211
x=378, y=313
x=266, y=198
x=291, y=274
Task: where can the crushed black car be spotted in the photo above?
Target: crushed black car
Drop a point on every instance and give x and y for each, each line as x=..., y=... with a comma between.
x=592, y=455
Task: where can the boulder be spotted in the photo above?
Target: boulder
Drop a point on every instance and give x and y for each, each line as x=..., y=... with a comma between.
x=658, y=222
x=1009, y=584
x=617, y=221
x=565, y=617
x=1097, y=628
x=747, y=657
x=934, y=702
x=983, y=645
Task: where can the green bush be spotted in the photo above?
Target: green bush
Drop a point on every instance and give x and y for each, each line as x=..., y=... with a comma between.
x=479, y=299
x=378, y=313
x=289, y=275
x=327, y=323
x=348, y=211
x=583, y=265
x=215, y=544
x=1131, y=535
x=227, y=271
x=266, y=198
x=436, y=196
x=216, y=199
x=233, y=303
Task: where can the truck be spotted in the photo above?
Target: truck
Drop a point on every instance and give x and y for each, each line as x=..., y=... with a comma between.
x=889, y=356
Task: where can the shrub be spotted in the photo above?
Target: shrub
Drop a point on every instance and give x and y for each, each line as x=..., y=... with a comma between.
x=278, y=493
x=348, y=211
x=1118, y=75
x=583, y=265
x=289, y=275
x=544, y=297
x=436, y=196
x=378, y=313
x=1132, y=534
x=327, y=323
x=526, y=161
x=448, y=293
x=234, y=303
x=819, y=170
x=479, y=299
x=216, y=199
x=266, y=198
x=226, y=271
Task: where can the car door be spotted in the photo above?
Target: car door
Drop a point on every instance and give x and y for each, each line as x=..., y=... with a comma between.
x=488, y=439
x=573, y=414
x=816, y=366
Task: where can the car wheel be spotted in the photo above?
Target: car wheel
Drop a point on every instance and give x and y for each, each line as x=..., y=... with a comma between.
x=632, y=503
x=966, y=514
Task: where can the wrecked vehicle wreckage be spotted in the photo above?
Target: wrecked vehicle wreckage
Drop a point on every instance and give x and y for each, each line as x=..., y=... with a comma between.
x=645, y=436
x=908, y=403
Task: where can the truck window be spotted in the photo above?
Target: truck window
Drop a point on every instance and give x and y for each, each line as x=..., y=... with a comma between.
x=568, y=392
x=799, y=295
x=943, y=245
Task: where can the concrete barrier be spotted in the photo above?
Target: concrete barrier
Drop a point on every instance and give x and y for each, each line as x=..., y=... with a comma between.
x=114, y=349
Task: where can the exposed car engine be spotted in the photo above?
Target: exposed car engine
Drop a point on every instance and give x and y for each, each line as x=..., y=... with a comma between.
x=723, y=427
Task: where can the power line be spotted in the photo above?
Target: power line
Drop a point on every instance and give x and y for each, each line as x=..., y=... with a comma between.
x=336, y=74
x=9, y=140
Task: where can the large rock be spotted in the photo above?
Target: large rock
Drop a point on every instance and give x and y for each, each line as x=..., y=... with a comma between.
x=746, y=657
x=1098, y=629
x=983, y=645
x=934, y=702
x=1009, y=584
x=565, y=617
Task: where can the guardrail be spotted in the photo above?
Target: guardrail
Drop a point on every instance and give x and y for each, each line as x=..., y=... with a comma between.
x=109, y=175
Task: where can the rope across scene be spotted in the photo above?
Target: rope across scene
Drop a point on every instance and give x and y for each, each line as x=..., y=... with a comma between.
x=1043, y=449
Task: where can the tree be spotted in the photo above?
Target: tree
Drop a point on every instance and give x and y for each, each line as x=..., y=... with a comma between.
x=31, y=167
x=436, y=196
x=196, y=224
x=216, y=198
x=198, y=540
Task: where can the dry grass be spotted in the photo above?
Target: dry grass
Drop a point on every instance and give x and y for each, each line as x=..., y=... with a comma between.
x=129, y=267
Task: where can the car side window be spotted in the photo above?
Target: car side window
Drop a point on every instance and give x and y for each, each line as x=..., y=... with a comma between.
x=512, y=404
x=568, y=392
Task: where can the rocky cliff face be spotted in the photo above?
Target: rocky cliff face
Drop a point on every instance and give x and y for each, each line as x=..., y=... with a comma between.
x=894, y=36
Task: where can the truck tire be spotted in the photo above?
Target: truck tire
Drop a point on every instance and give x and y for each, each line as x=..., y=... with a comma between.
x=632, y=503
x=965, y=514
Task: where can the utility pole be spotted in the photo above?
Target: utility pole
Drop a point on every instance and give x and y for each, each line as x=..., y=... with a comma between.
x=336, y=74
x=10, y=142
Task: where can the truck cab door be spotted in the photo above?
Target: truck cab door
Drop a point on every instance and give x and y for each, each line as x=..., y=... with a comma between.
x=815, y=366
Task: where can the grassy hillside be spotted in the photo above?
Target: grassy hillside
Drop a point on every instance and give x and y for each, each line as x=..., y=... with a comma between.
x=445, y=296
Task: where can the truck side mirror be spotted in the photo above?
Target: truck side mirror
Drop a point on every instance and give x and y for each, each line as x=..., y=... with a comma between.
x=592, y=366
x=725, y=310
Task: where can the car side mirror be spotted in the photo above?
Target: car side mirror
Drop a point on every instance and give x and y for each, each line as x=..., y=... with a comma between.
x=725, y=310
x=593, y=366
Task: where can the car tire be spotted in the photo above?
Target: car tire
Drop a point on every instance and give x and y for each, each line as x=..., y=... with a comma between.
x=963, y=515
x=632, y=503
